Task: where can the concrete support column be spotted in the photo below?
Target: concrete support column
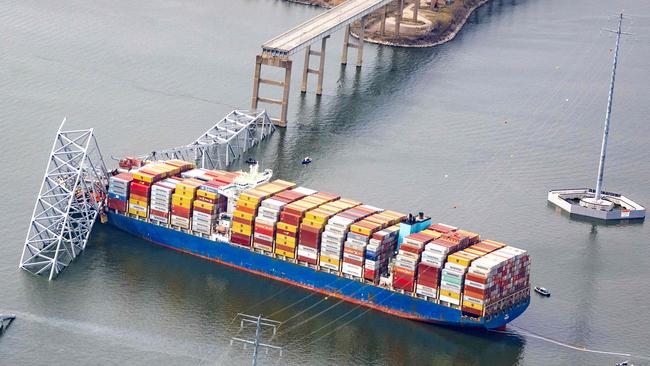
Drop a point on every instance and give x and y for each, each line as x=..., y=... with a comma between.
x=416, y=8
x=362, y=30
x=346, y=45
x=280, y=62
x=321, y=67
x=398, y=17
x=256, y=82
x=382, y=25
x=305, y=70
x=285, y=94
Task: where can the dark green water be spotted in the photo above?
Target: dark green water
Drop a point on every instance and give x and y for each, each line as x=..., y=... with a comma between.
x=412, y=130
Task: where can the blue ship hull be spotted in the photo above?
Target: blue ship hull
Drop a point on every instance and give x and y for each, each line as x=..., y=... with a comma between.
x=375, y=297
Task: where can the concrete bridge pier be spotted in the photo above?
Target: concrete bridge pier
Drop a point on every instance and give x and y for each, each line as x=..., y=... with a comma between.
x=398, y=17
x=321, y=67
x=358, y=44
x=274, y=61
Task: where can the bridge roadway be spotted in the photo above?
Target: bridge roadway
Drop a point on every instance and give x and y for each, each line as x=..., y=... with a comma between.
x=320, y=27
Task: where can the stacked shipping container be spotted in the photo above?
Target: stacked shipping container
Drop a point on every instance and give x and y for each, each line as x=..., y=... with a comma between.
x=118, y=192
x=269, y=214
x=358, y=238
x=312, y=226
x=247, y=205
x=378, y=252
x=287, y=236
x=497, y=280
x=337, y=231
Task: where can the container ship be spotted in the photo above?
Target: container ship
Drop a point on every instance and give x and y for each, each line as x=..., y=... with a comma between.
x=404, y=265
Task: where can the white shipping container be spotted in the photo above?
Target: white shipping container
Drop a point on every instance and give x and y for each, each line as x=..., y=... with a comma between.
x=308, y=252
x=352, y=270
x=353, y=257
x=329, y=266
x=426, y=291
x=305, y=191
x=450, y=300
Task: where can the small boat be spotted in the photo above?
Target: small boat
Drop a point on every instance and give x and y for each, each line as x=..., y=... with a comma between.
x=542, y=291
x=251, y=161
x=5, y=320
x=624, y=363
x=306, y=160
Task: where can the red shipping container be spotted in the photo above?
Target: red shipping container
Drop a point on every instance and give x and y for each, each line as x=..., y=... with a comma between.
x=265, y=231
x=240, y=239
x=287, y=233
x=472, y=311
x=429, y=282
x=290, y=219
x=206, y=199
x=139, y=188
x=474, y=292
x=158, y=213
x=267, y=243
x=307, y=260
x=476, y=278
x=181, y=211
x=115, y=204
x=252, y=211
x=352, y=261
x=204, y=210
x=243, y=221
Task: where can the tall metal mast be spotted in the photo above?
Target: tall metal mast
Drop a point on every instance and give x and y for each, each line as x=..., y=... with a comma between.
x=608, y=114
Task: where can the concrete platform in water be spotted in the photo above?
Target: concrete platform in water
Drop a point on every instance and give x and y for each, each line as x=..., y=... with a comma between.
x=610, y=206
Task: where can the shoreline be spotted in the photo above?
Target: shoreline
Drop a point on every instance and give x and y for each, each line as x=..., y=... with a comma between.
x=406, y=42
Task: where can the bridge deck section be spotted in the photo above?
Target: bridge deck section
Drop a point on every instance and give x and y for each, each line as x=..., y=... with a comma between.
x=321, y=26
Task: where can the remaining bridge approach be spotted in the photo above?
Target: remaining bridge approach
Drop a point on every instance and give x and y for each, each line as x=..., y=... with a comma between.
x=277, y=51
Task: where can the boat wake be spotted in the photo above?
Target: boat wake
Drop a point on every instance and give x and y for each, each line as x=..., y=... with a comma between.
x=526, y=333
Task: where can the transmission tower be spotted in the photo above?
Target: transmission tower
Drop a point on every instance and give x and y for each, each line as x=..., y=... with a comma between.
x=256, y=342
x=71, y=196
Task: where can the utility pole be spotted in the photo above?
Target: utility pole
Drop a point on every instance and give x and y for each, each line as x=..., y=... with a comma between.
x=259, y=323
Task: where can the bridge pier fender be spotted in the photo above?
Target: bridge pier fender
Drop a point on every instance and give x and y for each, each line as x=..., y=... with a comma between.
x=321, y=67
x=275, y=61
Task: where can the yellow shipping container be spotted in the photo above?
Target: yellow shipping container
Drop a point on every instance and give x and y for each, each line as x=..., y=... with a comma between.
x=204, y=205
x=243, y=215
x=285, y=253
x=317, y=224
x=138, y=202
x=247, y=204
x=241, y=228
x=329, y=260
x=453, y=295
x=181, y=200
x=360, y=230
x=473, y=305
x=285, y=240
x=206, y=194
x=287, y=227
x=431, y=233
x=134, y=211
x=459, y=259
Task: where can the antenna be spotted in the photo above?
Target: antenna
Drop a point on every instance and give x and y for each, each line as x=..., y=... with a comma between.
x=608, y=114
x=259, y=322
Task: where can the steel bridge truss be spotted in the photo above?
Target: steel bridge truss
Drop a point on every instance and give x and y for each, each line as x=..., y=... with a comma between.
x=71, y=197
x=226, y=141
